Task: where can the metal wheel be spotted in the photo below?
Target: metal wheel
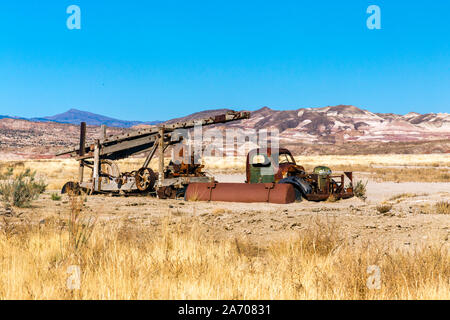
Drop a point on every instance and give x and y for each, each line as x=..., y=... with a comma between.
x=145, y=179
x=71, y=188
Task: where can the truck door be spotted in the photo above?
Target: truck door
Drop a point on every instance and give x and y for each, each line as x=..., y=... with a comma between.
x=261, y=169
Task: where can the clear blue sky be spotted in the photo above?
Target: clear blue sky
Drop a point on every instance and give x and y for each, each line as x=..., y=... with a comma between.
x=148, y=60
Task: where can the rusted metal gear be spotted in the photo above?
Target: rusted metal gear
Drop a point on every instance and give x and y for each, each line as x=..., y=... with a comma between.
x=145, y=179
x=168, y=192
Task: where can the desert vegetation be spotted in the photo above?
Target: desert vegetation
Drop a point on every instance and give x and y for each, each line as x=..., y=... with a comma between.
x=401, y=196
x=21, y=188
x=384, y=208
x=360, y=189
x=440, y=207
x=123, y=261
x=145, y=248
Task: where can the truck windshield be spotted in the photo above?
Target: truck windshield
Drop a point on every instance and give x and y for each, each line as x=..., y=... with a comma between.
x=260, y=160
x=285, y=158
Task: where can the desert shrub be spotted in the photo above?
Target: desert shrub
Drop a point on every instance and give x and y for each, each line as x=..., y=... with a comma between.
x=442, y=207
x=384, y=208
x=6, y=173
x=55, y=197
x=360, y=189
x=20, y=189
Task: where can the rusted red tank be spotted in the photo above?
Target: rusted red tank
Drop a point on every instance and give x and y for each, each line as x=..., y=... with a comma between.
x=241, y=192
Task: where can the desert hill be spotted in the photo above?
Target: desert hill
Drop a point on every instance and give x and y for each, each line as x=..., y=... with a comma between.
x=332, y=129
x=74, y=116
x=342, y=123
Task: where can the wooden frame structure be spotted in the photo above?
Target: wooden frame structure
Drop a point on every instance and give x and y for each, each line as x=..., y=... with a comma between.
x=107, y=149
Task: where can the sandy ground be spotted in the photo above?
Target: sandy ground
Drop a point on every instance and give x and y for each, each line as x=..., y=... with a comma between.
x=404, y=226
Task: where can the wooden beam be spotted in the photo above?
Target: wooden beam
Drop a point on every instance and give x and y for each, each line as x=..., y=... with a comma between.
x=150, y=155
x=111, y=140
x=103, y=132
x=161, y=156
x=128, y=145
x=96, y=170
x=82, y=150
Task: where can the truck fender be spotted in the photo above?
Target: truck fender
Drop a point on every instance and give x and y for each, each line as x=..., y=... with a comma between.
x=300, y=186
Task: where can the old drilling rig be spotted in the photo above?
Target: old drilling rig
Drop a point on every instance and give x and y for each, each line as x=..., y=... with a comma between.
x=105, y=176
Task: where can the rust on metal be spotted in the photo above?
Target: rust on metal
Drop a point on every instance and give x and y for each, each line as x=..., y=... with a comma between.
x=272, y=175
x=241, y=192
x=279, y=166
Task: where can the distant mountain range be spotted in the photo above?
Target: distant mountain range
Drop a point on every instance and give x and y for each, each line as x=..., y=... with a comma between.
x=339, y=124
x=342, y=129
x=75, y=116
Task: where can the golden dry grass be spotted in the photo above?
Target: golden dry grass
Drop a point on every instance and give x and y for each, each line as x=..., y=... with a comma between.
x=409, y=175
x=405, y=195
x=126, y=262
x=440, y=207
x=433, y=160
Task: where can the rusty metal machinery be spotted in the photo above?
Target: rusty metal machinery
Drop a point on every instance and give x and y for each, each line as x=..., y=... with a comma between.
x=273, y=176
x=106, y=177
x=241, y=192
x=281, y=167
x=145, y=179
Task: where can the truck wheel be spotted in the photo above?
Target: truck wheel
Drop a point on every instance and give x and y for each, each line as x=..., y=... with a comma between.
x=181, y=192
x=298, y=194
x=301, y=187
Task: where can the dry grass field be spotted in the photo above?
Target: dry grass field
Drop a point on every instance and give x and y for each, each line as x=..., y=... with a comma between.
x=144, y=248
x=120, y=262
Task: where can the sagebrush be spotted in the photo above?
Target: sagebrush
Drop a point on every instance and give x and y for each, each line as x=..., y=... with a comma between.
x=360, y=189
x=20, y=189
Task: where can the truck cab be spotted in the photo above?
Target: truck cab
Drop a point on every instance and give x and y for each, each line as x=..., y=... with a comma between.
x=267, y=165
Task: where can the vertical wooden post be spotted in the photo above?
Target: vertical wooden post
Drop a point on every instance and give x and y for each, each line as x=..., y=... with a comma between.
x=96, y=169
x=161, y=157
x=81, y=172
x=81, y=150
x=103, y=132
